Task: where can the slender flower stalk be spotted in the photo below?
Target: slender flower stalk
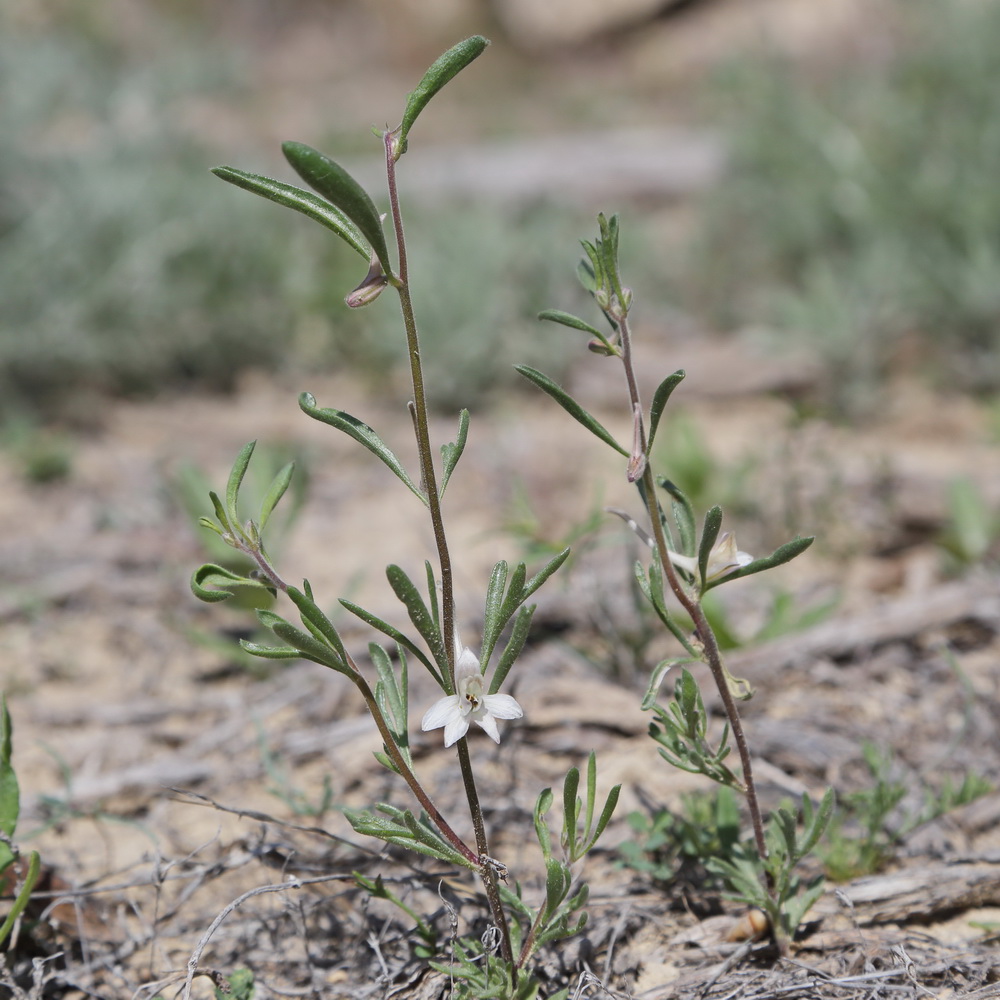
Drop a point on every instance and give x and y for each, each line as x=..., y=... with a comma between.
x=428, y=479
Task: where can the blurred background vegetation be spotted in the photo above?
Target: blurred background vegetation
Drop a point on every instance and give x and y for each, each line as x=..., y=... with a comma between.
x=858, y=217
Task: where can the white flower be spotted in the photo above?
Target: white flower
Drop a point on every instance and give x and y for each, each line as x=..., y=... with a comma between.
x=469, y=704
x=724, y=558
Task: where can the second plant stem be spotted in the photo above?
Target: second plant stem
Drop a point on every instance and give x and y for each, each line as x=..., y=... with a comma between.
x=691, y=605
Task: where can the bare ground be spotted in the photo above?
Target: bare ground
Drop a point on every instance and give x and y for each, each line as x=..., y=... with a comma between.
x=160, y=775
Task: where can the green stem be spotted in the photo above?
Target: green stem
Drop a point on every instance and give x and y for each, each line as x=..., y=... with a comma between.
x=428, y=480
x=692, y=606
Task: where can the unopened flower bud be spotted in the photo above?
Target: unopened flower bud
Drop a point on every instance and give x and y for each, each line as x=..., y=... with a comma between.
x=369, y=289
x=637, y=459
x=596, y=346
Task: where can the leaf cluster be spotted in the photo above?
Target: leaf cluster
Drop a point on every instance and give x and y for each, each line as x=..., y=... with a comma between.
x=772, y=884
x=681, y=729
x=707, y=826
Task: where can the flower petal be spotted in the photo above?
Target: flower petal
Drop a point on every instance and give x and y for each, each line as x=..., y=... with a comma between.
x=489, y=724
x=502, y=706
x=467, y=662
x=457, y=727
x=442, y=713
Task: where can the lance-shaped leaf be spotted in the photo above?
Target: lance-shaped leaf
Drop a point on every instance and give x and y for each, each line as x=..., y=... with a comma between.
x=17, y=908
x=335, y=184
x=422, y=619
x=391, y=697
x=10, y=801
x=270, y=652
x=544, y=573
x=361, y=433
x=211, y=583
x=558, y=880
x=575, y=323
x=301, y=201
x=432, y=593
x=656, y=679
x=236, y=480
x=660, y=397
x=401, y=827
x=568, y=319
x=542, y=806
x=452, y=452
x=709, y=534
x=683, y=515
x=571, y=406
x=518, y=637
x=443, y=69
x=492, y=624
x=393, y=633
x=275, y=492
x=782, y=554
x=652, y=589
x=308, y=645
x=316, y=621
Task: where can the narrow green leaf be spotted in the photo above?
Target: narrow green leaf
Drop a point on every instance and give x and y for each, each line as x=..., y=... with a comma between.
x=393, y=633
x=709, y=535
x=592, y=268
x=571, y=406
x=782, y=554
x=571, y=810
x=211, y=583
x=275, y=492
x=395, y=829
x=10, y=796
x=301, y=201
x=422, y=619
x=656, y=679
x=660, y=397
x=236, y=480
x=432, y=594
x=542, y=806
x=451, y=453
x=334, y=183
x=518, y=637
x=557, y=882
x=652, y=589
x=361, y=433
x=591, y=793
x=817, y=823
x=314, y=616
x=270, y=652
x=391, y=696
x=220, y=513
x=492, y=622
x=309, y=646
x=514, y=597
x=443, y=69
x=683, y=514
x=568, y=319
x=610, y=804
x=34, y=867
x=544, y=573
